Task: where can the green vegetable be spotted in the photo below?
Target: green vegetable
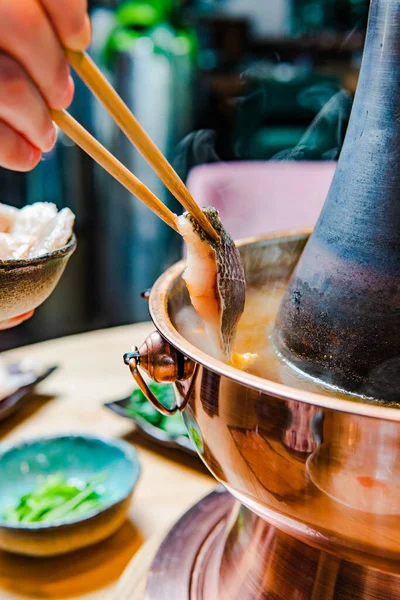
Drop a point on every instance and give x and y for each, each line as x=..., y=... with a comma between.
x=164, y=392
x=196, y=439
x=57, y=499
x=140, y=407
x=174, y=425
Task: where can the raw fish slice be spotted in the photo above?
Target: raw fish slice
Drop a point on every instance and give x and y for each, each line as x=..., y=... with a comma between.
x=215, y=280
x=8, y=215
x=31, y=219
x=55, y=234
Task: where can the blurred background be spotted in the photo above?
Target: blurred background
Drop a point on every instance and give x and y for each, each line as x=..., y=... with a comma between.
x=212, y=81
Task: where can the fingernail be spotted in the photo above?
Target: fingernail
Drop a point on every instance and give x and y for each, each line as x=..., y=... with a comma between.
x=32, y=157
x=82, y=40
x=68, y=94
x=50, y=139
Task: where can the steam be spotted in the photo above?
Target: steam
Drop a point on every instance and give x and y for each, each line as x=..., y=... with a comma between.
x=250, y=113
x=197, y=148
x=322, y=140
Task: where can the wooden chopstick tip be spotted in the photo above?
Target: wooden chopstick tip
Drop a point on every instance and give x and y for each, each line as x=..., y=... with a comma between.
x=205, y=224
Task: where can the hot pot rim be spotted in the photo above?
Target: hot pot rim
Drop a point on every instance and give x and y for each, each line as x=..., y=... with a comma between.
x=158, y=307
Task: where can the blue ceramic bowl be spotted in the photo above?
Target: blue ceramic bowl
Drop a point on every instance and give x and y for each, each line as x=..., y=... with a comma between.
x=25, y=465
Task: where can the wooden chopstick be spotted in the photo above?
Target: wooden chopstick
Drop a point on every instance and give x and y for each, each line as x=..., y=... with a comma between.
x=103, y=90
x=90, y=145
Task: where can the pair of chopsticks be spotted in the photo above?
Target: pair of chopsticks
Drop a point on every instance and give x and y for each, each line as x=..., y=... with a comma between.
x=103, y=90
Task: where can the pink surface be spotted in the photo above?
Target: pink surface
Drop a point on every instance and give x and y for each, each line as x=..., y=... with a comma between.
x=261, y=197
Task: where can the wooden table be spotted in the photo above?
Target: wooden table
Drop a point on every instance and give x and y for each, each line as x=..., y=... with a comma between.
x=91, y=372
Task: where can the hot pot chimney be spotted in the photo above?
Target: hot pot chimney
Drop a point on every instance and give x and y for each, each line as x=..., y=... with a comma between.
x=340, y=317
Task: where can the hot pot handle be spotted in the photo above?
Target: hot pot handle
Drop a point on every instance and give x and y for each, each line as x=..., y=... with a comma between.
x=163, y=364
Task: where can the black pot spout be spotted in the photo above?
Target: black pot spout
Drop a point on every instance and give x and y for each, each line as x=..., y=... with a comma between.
x=340, y=317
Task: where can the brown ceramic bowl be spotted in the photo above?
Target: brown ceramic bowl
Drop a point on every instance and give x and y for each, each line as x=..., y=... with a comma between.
x=27, y=283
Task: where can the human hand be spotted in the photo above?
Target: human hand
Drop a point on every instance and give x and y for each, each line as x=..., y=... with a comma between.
x=34, y=73
x=15, y=321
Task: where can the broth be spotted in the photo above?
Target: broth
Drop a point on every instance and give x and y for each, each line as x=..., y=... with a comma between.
x=254, y=351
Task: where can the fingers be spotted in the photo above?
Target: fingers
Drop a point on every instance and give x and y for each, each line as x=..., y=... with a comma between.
x=22, y=107
x=16, y=153
x=71, y=22
x=27, y=35
x=34, y=73
x=15, y=321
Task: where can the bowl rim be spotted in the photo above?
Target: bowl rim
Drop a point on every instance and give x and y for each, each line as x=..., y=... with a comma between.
x=128, y=451
x=158, y=308
x=10, y=264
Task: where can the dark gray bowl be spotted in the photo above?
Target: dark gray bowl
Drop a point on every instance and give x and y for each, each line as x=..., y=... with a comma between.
x=27, y=283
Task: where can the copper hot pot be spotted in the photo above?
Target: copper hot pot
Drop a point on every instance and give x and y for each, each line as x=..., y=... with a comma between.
x=317, y=475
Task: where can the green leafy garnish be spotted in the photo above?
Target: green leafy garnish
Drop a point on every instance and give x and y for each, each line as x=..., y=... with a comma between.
x=174, y=425
x=196, y=439
x=144, y=410
x=140, y=407
x=57, y=499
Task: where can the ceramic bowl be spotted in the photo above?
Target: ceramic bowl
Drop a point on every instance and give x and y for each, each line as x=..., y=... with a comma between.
x=27, y=377
x=25, y=465
x=27, y=283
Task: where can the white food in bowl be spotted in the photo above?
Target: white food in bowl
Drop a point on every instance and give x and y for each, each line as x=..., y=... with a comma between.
x=8, y=215
x=33, y=230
